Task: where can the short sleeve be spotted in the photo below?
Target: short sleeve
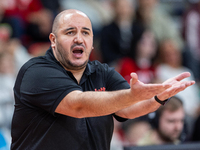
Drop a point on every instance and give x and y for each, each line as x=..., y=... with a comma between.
x=115, y=81
x=44, y=86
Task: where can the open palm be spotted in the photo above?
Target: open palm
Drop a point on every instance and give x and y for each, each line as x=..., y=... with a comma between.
x=177, y=85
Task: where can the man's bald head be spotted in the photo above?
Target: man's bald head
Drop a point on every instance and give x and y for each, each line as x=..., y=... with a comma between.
x=66, y=13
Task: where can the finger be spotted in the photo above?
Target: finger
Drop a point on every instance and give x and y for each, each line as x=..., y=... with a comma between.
x=157, y=88
x=176, y=89
x=182, y=76
x=186, y=83
x=190, y=83
x=134, y=78
x=171, y=91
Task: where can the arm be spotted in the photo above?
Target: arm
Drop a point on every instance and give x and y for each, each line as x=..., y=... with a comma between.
x=144, y=107
x=89, y=104
x=139, y=109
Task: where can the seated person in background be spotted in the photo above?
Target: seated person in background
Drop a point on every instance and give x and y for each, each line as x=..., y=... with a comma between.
x=191, y=36
x=116, y=37
x=150, y=14
x=135, y=130
x=168, y=124
x=169, y=65
x=143, y=50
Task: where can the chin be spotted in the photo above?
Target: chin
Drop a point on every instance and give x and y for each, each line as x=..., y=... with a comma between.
x=79, y=65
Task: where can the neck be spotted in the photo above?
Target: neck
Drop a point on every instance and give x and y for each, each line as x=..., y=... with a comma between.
x=77, y=73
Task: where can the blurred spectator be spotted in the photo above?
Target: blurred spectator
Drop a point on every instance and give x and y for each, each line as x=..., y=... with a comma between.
x=12, y=56
x=171, y=65
x=116, y=37
x=15, y=24
x=5, y=32
x=144, y=48
x=168, y=124
x=13, y=46
x=39, y=26
x=117, y=141
x=196, y=131
x=52, y=5
x=150, y=14
x=7, y=80
x=135, y=130
x=19, y=52
x=31, y=17
x=191, y=34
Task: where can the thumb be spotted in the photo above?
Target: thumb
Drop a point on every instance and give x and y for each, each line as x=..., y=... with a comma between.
x=134, y=78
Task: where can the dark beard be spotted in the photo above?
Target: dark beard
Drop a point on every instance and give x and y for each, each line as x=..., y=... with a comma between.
x=74, y=67
x=66, y=63
x=165, y=138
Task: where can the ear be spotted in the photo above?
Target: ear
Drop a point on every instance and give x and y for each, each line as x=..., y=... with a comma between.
x=52, y=38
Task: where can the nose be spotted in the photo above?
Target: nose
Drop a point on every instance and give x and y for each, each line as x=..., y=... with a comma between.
x=78, y=38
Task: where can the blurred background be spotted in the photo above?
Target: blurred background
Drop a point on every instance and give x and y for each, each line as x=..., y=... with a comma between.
x=157, y=39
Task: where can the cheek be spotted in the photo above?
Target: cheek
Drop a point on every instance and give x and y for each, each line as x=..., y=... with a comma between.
x=89, y=42
x=89, y=47
x=165, y=126
x=65, y=44
x=61, y=52
x=180, y=125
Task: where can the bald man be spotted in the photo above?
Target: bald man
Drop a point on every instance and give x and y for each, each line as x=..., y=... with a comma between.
x=63, y=101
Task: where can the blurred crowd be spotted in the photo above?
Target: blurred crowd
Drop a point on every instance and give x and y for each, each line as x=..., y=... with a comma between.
x=157, y=39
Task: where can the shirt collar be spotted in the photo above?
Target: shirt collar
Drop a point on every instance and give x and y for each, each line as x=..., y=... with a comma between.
x=49, y=54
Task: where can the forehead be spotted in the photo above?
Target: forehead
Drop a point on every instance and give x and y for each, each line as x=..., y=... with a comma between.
x=178, y=114
x=77, y=19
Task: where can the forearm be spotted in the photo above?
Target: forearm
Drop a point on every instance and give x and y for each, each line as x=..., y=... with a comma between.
x=139, y=109
x=89, y=104
x=125, y=103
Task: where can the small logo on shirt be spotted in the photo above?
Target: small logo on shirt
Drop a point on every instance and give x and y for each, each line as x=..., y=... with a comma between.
x=101, y=89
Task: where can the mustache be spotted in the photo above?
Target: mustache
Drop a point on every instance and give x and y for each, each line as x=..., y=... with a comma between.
x=74, y=45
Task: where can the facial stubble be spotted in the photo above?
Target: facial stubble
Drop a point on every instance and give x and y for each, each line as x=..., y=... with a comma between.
x=64, y=60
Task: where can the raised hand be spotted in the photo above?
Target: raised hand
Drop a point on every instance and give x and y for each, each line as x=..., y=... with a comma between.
x=143, y=91
x=177, y=85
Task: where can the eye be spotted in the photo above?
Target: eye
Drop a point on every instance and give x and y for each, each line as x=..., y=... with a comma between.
x=85, y=33
x=70, y=33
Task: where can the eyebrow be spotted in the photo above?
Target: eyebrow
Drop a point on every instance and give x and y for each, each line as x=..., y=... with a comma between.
x=71, y=28
x=86, y=28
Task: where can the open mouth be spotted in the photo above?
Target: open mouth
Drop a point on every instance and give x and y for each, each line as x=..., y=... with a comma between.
x=78, y=51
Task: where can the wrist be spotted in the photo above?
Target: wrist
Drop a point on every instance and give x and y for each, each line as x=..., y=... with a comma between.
x=162, y=102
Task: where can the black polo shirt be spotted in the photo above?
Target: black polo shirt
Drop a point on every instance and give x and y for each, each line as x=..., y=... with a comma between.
x=40, y=86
